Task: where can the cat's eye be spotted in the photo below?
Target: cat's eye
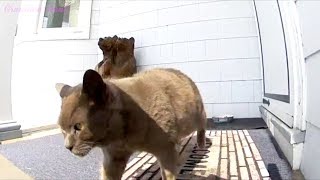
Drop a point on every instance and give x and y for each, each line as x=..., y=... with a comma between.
x=77, y=127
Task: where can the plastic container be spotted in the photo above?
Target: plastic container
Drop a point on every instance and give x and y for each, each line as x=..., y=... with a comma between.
x=222, y=119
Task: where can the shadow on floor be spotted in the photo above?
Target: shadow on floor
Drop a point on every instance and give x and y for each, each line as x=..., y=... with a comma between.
x=274, y=159
x=238, y=124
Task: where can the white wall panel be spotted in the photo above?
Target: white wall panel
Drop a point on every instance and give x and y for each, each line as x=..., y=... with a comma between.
x=310, y=28
x=214, y=42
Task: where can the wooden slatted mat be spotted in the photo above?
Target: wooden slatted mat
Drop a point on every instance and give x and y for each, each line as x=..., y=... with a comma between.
x=229, y=154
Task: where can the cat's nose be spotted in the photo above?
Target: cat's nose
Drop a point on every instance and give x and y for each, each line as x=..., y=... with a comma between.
x=69, y=147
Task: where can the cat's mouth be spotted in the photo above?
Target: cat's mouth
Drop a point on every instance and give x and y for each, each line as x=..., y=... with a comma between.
x=82, y=151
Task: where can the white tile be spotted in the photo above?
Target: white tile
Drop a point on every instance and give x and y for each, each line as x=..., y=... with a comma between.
x=148, y=20
x=240, y=110
x=242, y=91
x=108, y=14
x=94, y=32
x=73, y=47
x=113, y=4
x=73, y=62
x=206, y=1
x=239, y=27
x=131, y=23
x=191, y=69
x=202, y=30
x=209, y=71
x=177, y=33
x=309, y=28
x=107, y=30
x=139, y=55
x=188, y=2
x=95, y=17
x=240, y=8
x=163, y=35
x=166, y=52
x=257, y=91
x=222, y=109
x=238, y=48
x=253, y=69
x=209, y=91
x=209, y=110
x=210, y=10
x=100, y=56
x=71, y=78
x=136, y=7
x=225, y=92
x=123, y=10
x=149, y=37
x=179, y=14
x=226, y=9
x=149, y=55
x=180, y=52
x=212, y=49
x=254, y=110
x=90, y=61
x=232, y=69
x=160, y=4
x=196, y=50
x=240, y=69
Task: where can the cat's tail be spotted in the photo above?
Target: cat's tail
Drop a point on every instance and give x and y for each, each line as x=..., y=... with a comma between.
x=201, y=133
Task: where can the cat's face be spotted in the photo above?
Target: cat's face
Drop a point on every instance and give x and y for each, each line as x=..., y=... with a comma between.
x=85, y=117
x=107, y=44
x=111, y=46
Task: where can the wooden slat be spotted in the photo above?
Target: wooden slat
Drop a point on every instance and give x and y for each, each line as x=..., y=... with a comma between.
x=135, y=167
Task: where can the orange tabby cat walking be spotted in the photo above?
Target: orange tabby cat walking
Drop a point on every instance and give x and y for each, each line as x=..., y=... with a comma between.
x=151, y=111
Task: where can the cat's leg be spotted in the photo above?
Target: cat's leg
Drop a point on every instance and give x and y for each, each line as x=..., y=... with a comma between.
x=114, y=163
x=168, y=160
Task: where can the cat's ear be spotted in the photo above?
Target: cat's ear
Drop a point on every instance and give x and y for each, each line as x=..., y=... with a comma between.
x=63, y=89
x=132, y=42
x=94, y=87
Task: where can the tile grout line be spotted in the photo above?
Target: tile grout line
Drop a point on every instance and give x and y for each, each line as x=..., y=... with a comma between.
x=219, y=163
x=254, y=169
x=236, y=153
x=254, y=157
x=227, y=154
x=243, y=152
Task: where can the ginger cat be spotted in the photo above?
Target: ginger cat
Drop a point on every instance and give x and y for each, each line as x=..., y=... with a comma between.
x=151, y=111
x=118, y=57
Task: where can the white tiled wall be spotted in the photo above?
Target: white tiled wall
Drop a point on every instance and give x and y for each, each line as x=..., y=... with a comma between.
x=39, y=65
x=214, y=42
